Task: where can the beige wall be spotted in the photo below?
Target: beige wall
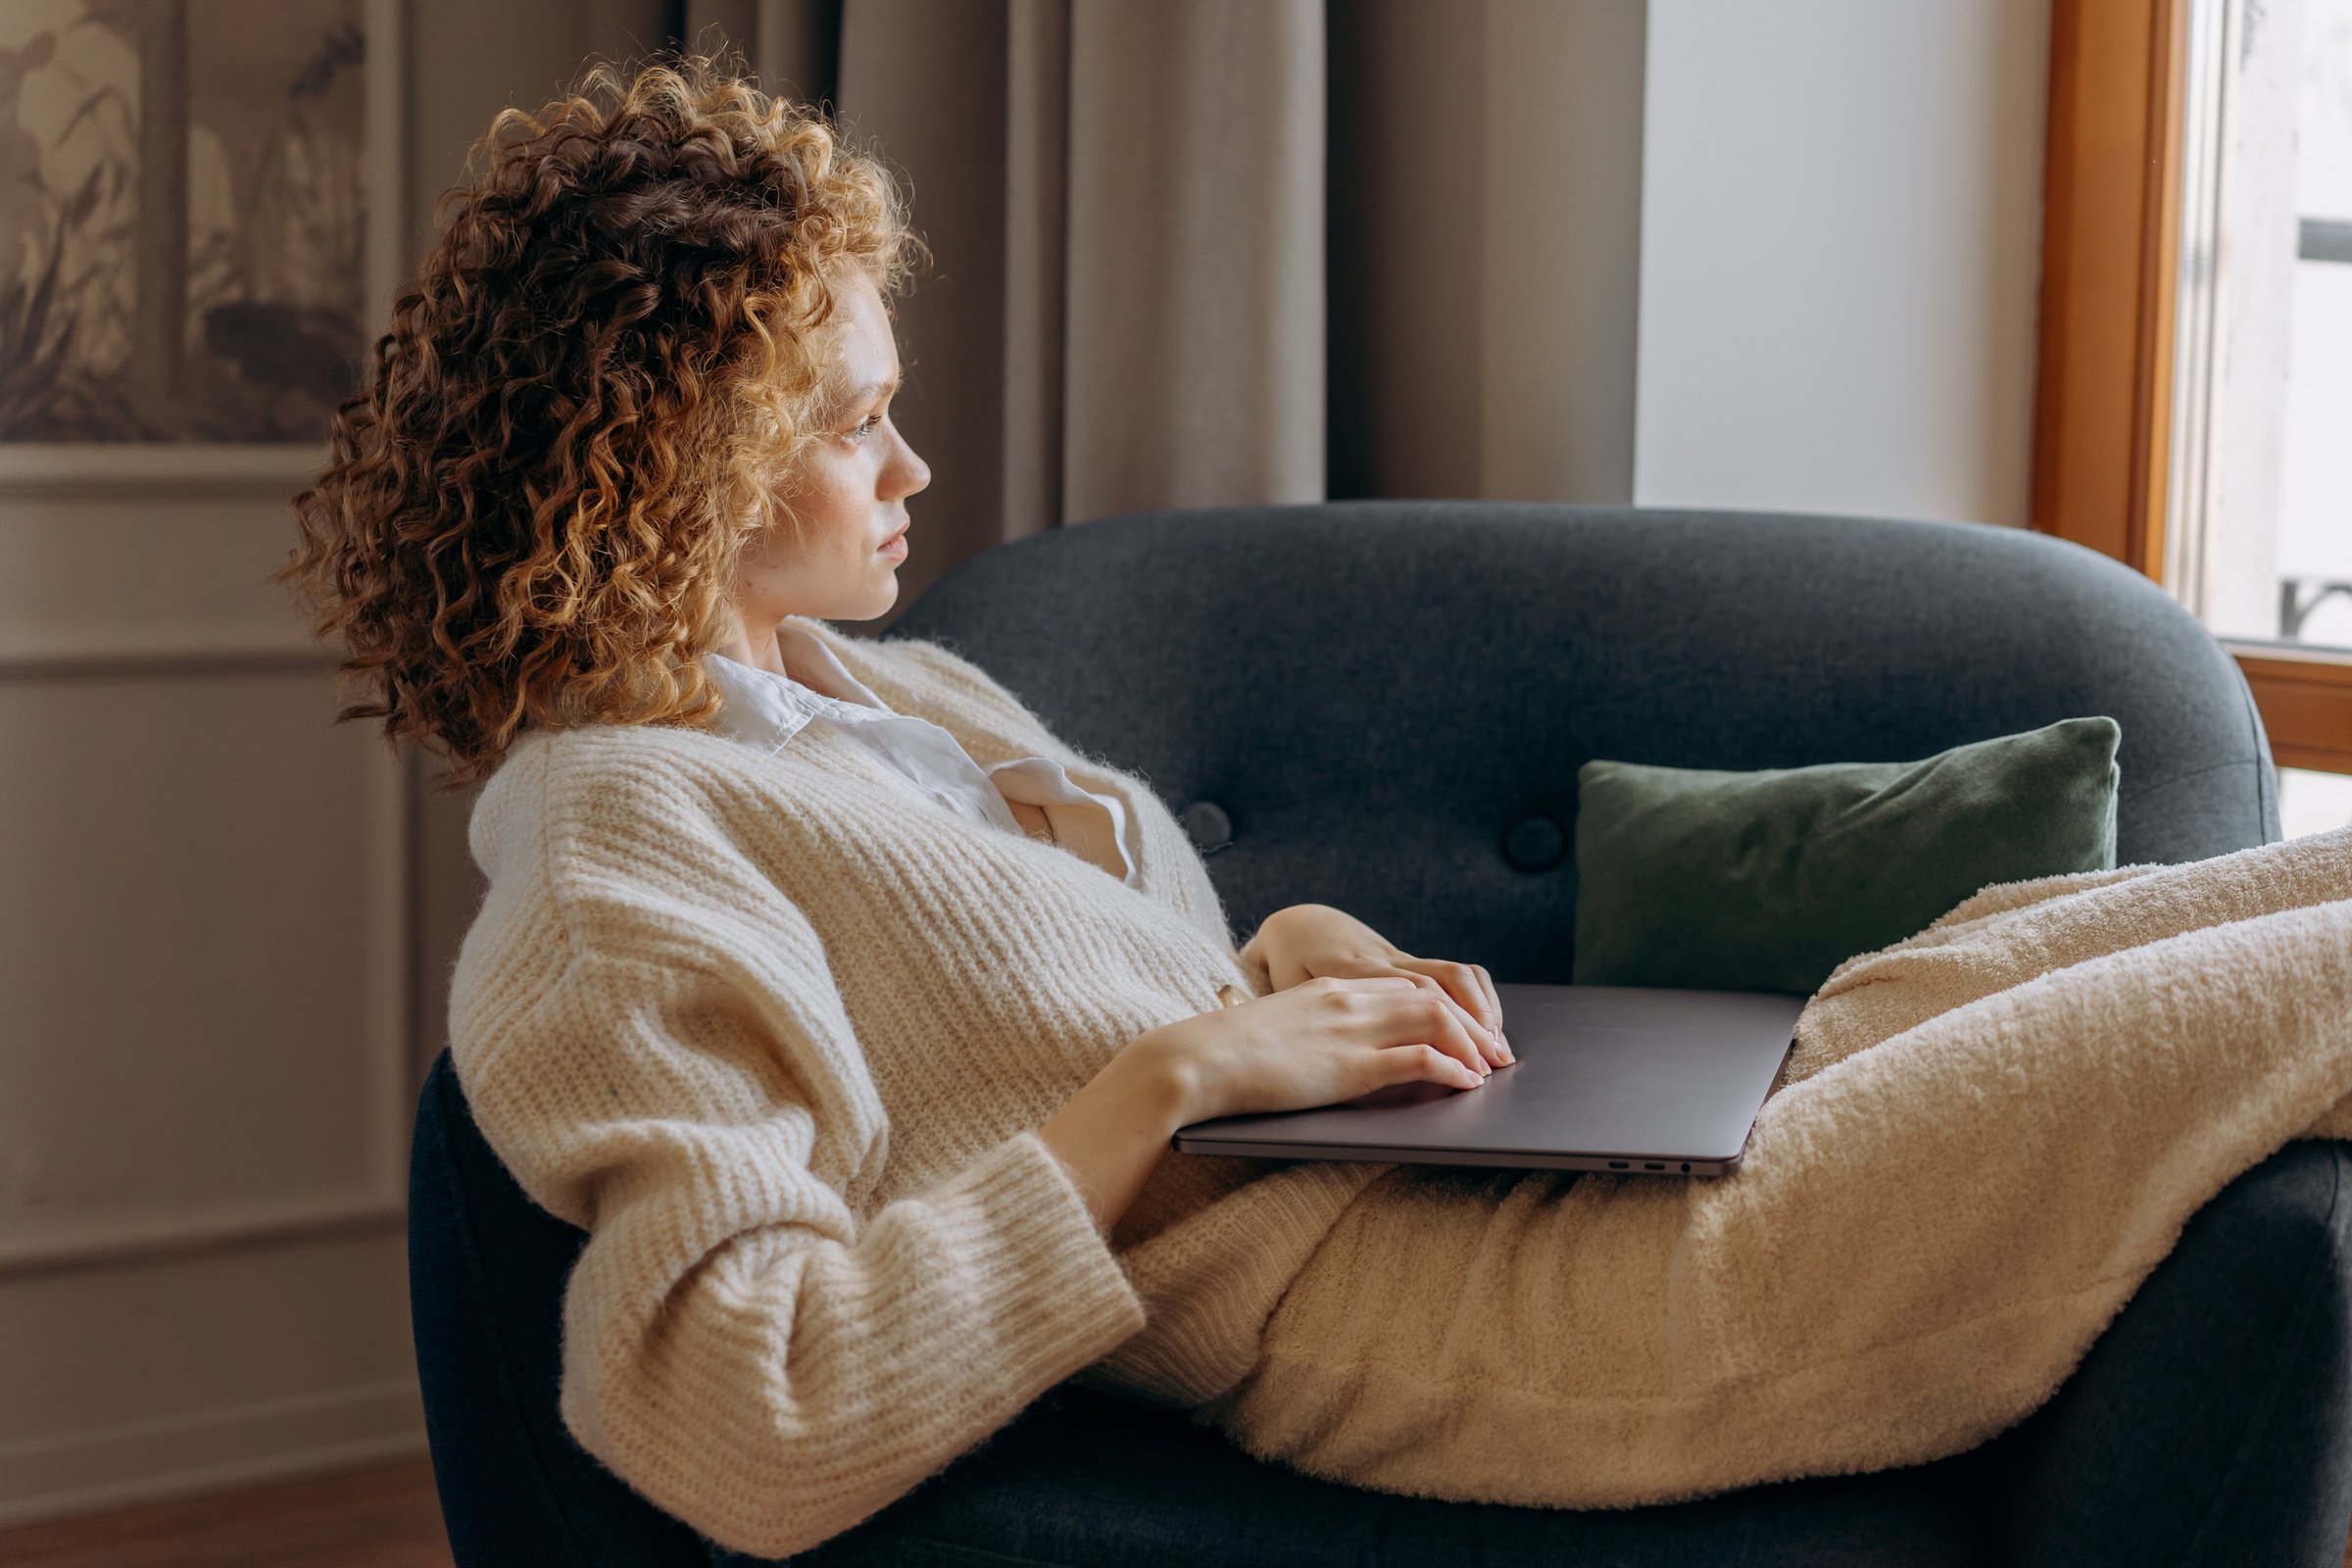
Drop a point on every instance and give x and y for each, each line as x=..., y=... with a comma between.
x=217, y=992
x=204, y=1056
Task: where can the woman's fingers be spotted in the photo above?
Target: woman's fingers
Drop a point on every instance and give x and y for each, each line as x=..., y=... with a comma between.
x=1425, y=1033
x=1467, y=983
x=1461, y=985
x=1405, y=1064
x=1449, y=1028
x=1485, y=984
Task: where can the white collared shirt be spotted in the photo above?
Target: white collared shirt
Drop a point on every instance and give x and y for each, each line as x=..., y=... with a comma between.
x=765, y=710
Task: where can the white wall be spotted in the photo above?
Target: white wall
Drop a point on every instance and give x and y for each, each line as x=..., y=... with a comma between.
x=1839, y=256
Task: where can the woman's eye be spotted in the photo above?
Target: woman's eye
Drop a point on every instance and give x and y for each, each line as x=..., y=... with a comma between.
x=865, y=427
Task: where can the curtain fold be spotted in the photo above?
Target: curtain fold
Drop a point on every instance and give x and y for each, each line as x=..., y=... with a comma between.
x=1036, y=271
x=1195, y=243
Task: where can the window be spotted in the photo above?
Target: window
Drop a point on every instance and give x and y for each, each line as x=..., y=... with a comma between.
x=2195, y=369
x=2259, y=525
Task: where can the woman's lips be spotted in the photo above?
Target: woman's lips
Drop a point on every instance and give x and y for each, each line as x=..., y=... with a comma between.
x=895, y=544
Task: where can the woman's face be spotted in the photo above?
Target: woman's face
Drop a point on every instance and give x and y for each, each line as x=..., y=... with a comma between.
x=850, y=491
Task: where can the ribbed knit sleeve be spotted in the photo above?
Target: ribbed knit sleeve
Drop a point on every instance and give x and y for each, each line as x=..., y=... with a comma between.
x=678, y=1078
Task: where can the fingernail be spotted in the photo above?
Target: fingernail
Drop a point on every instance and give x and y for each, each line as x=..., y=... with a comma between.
x=1504, y=1040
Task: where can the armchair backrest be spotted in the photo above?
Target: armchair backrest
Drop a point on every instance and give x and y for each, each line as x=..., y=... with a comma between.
x=1383, y=705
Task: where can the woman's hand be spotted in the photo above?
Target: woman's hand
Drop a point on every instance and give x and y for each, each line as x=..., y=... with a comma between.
x=1317, y=1043
x=1314, y=941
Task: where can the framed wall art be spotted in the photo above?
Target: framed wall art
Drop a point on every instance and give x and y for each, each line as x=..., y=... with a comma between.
x=199, y=231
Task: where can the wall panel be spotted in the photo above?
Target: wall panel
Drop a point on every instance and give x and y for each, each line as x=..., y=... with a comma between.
x=204, y=968
x=191, y=1373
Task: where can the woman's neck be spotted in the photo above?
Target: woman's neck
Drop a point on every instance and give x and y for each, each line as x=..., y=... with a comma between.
x=756, y=646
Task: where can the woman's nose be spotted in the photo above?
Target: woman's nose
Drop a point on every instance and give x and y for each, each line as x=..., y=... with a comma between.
x=906, y=474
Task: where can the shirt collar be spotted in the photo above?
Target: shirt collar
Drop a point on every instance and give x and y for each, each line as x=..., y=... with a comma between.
x=819, y=666
x=764, y=709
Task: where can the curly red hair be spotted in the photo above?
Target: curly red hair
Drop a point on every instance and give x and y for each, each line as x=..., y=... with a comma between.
x=614, y=350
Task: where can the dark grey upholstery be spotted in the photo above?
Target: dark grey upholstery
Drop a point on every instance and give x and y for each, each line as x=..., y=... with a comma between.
x=1425, y=676
x=1383, y=705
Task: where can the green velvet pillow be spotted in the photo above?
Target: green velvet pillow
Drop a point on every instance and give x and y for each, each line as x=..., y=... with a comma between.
x=1767, y=881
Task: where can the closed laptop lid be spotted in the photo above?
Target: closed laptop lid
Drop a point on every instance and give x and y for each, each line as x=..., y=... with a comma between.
x=1607, y=1078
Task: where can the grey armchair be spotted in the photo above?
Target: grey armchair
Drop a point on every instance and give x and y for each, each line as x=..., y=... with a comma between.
x=1296, y=682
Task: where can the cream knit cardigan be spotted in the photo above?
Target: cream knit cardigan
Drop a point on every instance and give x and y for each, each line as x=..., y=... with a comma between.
x=777, y=1031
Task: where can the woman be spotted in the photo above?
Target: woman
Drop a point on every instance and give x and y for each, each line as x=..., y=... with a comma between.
x=862, y=1083
x=851, y=1011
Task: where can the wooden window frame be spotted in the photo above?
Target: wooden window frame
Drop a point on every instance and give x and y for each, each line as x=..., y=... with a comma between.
x=2110, y=265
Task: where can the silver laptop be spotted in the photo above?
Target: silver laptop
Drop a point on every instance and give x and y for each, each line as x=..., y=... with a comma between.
x=1615, y=1078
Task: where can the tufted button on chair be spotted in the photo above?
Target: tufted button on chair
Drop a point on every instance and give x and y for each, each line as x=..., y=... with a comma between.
x=1534, y=844
x=1394, y=699
x=1207, y=827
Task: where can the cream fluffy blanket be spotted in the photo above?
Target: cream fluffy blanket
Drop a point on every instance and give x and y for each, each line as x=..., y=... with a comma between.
x=1986, y=1137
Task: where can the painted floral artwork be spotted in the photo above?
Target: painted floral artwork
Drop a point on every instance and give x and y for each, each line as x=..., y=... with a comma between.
x=181, y=219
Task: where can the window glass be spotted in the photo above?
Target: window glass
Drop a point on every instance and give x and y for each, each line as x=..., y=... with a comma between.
x=2313, y=803
x=2260, y=532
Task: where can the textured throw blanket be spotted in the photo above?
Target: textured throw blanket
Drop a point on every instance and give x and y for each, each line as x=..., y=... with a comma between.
x=1986, y=1137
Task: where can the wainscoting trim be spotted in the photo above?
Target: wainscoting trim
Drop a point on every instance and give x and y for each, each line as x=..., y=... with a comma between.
x=267, y=1441
x=223, y=1227
x=178, y=471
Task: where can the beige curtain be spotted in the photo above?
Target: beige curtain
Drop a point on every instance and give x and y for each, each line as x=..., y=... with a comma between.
x=1126, y=207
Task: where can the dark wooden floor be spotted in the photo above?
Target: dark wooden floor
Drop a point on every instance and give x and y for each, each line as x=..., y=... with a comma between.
x=383, y=1516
